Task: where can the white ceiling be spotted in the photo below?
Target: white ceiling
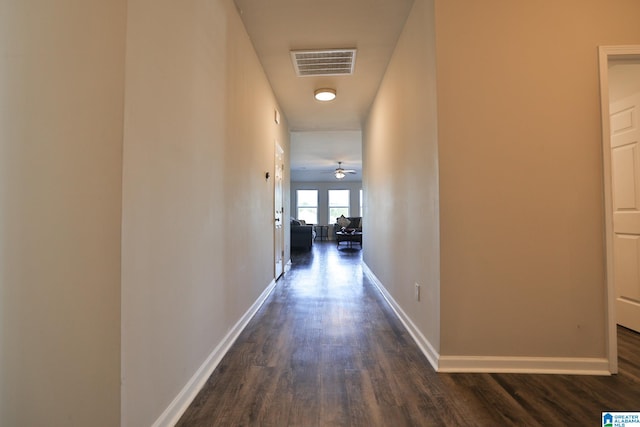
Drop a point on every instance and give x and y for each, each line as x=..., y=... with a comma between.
x=320, y=131
x=315, y=155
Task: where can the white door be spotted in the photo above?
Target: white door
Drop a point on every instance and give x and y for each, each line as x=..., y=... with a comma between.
x=625, y=181
x=279, y=211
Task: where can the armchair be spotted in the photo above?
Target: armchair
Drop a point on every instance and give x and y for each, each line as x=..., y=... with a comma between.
x=348, y=229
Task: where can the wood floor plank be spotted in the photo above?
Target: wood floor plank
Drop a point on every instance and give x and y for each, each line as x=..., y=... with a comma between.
x=326, y=350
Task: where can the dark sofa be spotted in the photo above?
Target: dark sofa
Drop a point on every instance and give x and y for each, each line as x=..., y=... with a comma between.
x=302, y=235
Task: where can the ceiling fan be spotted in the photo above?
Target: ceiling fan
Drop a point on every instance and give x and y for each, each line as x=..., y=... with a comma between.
x=341, y=173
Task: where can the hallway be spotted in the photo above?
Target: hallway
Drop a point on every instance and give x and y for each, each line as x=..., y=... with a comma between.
x=326, y=350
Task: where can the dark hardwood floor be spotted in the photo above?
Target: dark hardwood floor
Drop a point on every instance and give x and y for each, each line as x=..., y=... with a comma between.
x=326, y=350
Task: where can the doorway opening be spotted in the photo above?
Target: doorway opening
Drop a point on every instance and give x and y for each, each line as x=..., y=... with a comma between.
x=620, y=108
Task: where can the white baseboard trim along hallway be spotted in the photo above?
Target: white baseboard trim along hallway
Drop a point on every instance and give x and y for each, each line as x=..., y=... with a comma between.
x=425, y=346
x=174, y=411
x=524, y=365
x=491, y=364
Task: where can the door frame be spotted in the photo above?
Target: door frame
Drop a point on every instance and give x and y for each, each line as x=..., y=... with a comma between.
x=606, y=54
x=278, y=234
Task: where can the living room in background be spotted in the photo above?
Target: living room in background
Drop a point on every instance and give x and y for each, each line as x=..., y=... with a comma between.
x=338, y=204
x=307, y=206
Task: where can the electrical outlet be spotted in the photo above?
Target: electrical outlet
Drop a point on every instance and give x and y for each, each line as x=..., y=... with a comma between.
x=417, y=292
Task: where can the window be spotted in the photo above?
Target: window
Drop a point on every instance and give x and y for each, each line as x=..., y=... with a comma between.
x=307, y=205
x=338, y=204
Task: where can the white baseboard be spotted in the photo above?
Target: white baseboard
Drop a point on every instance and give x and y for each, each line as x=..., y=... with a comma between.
x=423, y=343
x=174, y=411
x=492, y=364
x=524, y=365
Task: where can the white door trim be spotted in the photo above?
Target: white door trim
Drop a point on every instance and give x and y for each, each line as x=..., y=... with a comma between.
x=607, y=53
x=278, y=197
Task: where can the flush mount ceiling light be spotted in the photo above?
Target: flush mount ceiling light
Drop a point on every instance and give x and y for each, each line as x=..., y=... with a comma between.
x=325, y=94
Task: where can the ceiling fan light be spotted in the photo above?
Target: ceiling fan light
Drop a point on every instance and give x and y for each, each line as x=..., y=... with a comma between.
x=340, y=174
x=325, y=94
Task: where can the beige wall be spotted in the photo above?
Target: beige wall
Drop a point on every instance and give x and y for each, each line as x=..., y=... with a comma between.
x=190, y=200
x=197, y=209
x=61, y=106
x=518, y=159
x=400, y=163
x=521, y=203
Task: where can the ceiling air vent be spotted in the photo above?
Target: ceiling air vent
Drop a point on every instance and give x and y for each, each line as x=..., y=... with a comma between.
x=333, y=62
